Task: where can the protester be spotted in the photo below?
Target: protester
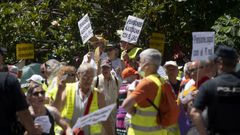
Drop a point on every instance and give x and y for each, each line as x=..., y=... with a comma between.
x=221, y=96
x=36, y=98
x=109, y=85
x=67, y=73
x=129, y=75
x=186, y=76
x=131, y=53
x=172, y=73
x=96, y=52
x=49, y=70
x=75, y=100
x=117, y=64
x=144, y=115
x=13, y=105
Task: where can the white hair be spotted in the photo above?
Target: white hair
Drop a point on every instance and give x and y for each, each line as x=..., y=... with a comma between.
x=86, y=67
x=186, y=68
x=151, y=56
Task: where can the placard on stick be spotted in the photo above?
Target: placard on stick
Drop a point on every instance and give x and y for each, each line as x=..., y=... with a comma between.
x=132, y=29
x=85, y=28
x=203, y=45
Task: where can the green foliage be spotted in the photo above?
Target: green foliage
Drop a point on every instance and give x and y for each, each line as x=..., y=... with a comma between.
x=227, y=30
x=51, y=25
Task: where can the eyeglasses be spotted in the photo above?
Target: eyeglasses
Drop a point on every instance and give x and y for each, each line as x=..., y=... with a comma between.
x=70, y=74
x=195, y=69
x=37, y=94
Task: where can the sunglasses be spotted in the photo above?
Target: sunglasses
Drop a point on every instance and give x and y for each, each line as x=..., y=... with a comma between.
x=37, y=94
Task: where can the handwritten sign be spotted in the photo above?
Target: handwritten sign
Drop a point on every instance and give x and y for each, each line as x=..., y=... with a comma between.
x=95, y=117
x=132, y=29
x=85, y=28
x=203, y=45
x=44, y=122
x=157, y=41
x=25, y=51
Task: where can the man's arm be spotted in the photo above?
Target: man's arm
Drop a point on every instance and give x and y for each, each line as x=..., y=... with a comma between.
x=106, y=124
x=60, y=96
x=128, y=104
x=26, y=119
x=197, y=119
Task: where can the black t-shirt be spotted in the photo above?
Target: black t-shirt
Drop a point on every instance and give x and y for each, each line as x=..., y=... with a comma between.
x=222, y=97
x=176, y=87
x=12, y=100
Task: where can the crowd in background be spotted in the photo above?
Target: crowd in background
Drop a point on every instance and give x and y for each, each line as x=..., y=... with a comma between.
x=137, y=82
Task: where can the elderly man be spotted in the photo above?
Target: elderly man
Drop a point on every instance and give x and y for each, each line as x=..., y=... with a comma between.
x=144, y=116
x=172, y=73
x=221, y=96
x=75, y=100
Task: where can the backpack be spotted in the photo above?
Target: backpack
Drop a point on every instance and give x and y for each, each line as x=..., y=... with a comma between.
x=168, y=110
x=97, y=83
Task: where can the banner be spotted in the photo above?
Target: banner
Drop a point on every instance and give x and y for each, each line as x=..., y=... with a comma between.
x=95, y=117
x=157, y=41
x=203, y=45
x=132, y=29
x=85, y=28
x=25, y=51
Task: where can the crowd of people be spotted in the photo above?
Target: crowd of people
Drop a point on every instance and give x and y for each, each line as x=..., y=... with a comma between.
x=151, y=97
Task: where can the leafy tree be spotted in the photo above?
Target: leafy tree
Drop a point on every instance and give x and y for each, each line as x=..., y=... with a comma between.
x=51, y=25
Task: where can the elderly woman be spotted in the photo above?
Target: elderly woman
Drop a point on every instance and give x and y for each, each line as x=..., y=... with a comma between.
x=144, y=118
x=78, y=99
x=36, y=97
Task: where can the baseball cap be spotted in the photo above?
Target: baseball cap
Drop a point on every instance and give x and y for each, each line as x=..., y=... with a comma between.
x=225, y=52
x=106, y=63
x=37, y=79
x=128, y=72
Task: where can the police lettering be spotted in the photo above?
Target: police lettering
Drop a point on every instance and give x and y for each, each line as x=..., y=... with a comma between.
x=228, y=90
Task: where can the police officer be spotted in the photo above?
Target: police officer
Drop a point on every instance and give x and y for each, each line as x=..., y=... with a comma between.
x=222, y=97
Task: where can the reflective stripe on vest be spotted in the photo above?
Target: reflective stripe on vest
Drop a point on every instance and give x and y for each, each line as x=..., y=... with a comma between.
x=145, y=119
x=156, y=128
x=68, y=109
x=133, y=52
x=145, y=113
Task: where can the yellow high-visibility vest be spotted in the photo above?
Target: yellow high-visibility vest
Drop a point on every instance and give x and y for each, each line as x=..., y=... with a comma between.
x=68, y=109
x=133, y=52
x=144, y=121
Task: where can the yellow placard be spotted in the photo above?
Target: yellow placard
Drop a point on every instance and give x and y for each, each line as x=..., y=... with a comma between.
x=25, y=51
x=157, y=41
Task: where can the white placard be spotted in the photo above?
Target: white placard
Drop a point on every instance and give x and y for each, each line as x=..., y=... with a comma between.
x=85, y=28
x=132, y=29
x=95, y=117
x=44, y=122
x=203, y=45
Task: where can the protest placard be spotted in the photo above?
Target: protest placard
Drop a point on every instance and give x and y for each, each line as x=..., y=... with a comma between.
x=132, y=29
x=90, y=119
x=157, y=41
x=25, y=51
x=85, y=28
x=203, y=45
